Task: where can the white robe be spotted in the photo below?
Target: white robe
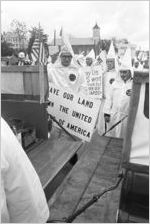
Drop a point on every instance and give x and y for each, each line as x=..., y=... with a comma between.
x=22, y=196
x=107, y=76
x=117, y=105
x=60, y=76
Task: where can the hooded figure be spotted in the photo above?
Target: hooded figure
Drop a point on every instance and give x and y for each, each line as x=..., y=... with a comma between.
x=117, y=102
x=90, y=58
x=112, y=67
x=110, y=72
x=65, y=73
x=22, y=197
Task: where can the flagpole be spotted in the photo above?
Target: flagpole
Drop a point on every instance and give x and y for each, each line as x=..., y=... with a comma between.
x=41, y=69
x=54, y=37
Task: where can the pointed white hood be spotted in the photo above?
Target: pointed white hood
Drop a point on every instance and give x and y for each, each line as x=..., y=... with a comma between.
x=111, y=53
x=126, y=62
x=91, y=54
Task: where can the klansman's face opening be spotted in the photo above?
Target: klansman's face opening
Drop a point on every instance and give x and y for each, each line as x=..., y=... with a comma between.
x=110, y=64
x=125, y=75
x=66, y=60
x=89, y=61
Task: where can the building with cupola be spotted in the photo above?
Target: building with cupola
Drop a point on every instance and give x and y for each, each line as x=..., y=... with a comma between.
x=81, y=44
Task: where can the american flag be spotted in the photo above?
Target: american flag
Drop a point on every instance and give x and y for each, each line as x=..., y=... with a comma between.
x=38, y=53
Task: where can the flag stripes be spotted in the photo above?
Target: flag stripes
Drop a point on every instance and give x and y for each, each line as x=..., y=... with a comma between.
x=38, y=53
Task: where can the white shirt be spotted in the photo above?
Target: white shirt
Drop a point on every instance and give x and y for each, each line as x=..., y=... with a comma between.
x=22, y=196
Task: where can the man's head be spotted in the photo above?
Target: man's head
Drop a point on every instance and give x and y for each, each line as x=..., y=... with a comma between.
x=136, y=64
x=125, y=75
x=66, y=58
x=89, y=61
x=21, y=55
x=110, y=64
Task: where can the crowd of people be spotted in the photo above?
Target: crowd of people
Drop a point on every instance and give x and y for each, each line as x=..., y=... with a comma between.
x=22, y=197
x=117, y=84
x=19, y=59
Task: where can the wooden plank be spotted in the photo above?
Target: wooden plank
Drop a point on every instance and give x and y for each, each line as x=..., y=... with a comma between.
x=27, y=81
x=30, y=112
x=35, y=79
x=41, y=83
x=104, y=211
x=68, y=196
x=20, y=98
x=35, y=84
x=46, y=85
x=50, y=157
x=25, y=68
x=12, y=84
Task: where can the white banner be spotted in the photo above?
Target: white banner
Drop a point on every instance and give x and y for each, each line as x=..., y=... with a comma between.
x=75, y=112
x=94, y=81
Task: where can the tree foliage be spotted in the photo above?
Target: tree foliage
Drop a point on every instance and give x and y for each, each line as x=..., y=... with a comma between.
x=37, y=33
x=20, y=31
x=6, y=49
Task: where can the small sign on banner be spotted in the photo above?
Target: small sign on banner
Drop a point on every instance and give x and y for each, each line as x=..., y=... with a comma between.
x=75, y=112
x=94, y=81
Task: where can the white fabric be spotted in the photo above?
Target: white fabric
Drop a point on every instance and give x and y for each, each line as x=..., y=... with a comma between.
x=67, y=47
x=81, y=59
x=59, y=75
x=107, y=76
x=91, y=54
x=22, y=196
x=117, y=105
x=112, y=74
x=126, y=62
x=140, y=137
x=100, y=126
x=111, y=52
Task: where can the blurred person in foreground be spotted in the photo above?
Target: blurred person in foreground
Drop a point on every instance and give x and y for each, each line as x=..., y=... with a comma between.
x=22, y=196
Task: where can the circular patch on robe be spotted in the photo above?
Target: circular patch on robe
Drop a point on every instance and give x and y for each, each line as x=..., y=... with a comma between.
x=111, y=81
x=72, y=77
x=128, y=92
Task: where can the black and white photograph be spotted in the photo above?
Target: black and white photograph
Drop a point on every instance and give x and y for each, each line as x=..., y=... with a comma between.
x=75, y=111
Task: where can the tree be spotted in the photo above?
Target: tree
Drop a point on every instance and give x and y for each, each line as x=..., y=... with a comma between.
x=37, y=33
x=105, y=44
x=19, y=29
x=6, y=49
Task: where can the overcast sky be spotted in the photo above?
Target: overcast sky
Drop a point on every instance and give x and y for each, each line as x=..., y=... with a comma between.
x=127, y=19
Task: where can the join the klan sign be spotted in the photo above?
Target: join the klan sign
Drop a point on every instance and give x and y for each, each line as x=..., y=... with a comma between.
x=94, y=81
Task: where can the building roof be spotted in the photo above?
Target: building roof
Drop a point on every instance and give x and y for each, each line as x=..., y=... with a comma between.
x=76, y=41
x=96, y=26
